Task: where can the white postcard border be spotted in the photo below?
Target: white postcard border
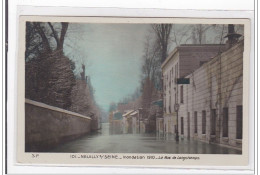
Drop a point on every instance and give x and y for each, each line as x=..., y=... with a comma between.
x=54, y=158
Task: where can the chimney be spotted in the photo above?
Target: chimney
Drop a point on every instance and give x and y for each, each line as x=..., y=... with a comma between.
x=232, y=36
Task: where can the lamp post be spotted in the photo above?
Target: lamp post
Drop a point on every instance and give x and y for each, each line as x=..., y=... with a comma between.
x=176, y=108
x=140, y=114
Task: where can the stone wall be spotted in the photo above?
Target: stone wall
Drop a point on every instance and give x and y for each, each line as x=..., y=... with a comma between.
x=47, y=126
x=216, y=85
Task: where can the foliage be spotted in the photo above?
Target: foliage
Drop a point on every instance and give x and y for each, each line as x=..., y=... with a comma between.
x=50, y=80
x=49, y=74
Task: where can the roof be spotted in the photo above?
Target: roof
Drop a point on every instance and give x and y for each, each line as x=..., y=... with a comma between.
x=127, y=113
x=169, y=57
x=134, y=113
x=176, y=49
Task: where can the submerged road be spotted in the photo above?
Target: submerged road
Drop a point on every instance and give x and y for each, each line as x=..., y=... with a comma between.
x=103, y=142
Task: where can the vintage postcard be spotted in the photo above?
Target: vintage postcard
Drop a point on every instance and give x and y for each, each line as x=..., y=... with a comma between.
x=161, y=92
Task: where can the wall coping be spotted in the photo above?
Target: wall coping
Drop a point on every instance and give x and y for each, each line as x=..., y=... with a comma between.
x=43, y=105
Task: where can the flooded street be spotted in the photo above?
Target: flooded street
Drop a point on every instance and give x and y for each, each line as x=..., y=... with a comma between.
x=103, y=142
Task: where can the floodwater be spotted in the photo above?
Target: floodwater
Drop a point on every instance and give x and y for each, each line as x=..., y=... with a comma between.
x=103, y=142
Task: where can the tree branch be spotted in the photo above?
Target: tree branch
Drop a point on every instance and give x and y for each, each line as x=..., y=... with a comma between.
x=55, y=35
x=45, y=40
x=63, y=33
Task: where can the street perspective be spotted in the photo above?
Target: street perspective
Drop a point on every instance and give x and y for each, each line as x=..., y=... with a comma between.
x=158, y=88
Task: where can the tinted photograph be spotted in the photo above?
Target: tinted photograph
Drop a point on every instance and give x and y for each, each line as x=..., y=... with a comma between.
x=133, y=88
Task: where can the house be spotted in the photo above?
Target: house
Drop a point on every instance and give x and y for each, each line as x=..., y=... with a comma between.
x=208, y=106
x=115, y=121
x=127, y=121
x=181, y=62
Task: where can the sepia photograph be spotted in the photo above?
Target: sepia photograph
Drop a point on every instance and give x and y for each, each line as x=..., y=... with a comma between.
x=137, y=88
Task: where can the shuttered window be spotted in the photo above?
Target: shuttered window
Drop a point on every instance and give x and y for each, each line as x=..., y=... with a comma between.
x=203, y=122
x=225, y=122
x=239, y=126
x=213, y=122
x=182, y=126
x=181, y=94
x=195, y=122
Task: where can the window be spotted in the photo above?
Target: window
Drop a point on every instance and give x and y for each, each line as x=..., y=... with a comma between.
x=182, y=126
x=213, y=122
x=177, y=70
x=170, y=77
x=195, y=123
x=239, y=126
x=170, y=104
x=225, y=122
x=175, y=75
x=181, y=94
x=203, y=122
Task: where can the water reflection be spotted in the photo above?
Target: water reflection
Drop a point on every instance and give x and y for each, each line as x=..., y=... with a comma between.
x=106, y=142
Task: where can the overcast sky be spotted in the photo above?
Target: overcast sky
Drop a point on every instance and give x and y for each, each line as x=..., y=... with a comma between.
x=112, y=54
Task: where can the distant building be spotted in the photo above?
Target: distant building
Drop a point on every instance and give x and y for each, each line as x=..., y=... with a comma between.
x=135, y=122
x=115, y=121
x=209, y=107
x=127, y=122
x=132, y=122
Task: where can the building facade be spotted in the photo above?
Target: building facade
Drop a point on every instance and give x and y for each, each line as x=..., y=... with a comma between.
x=209, y=107
x=180, y=63
x=115, y=122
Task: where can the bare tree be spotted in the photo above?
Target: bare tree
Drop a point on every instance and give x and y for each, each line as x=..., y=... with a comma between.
x=112, y=107
x=180, y=34
x=199, y=32
x=48, y=32
x=73, y=46
x=49, y=74
x=162, y=32
x=33, y=42
x=151, y=63
x=151, y=70
x=59, y=38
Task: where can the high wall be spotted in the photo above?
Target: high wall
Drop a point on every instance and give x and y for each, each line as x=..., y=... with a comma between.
x=47, y=126
x=214, y=86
